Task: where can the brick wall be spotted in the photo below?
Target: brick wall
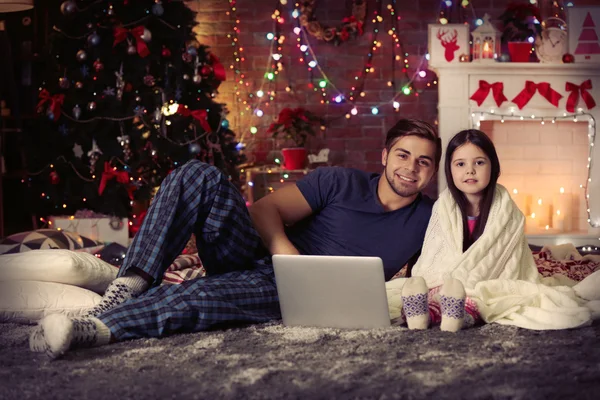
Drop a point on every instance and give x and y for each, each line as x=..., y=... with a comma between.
x=538, y=160
x=353, y=142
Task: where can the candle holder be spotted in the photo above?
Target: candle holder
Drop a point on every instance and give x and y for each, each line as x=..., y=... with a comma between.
x=486, y=42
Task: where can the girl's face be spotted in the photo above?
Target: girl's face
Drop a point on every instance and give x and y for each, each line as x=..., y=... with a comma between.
x=471, y=170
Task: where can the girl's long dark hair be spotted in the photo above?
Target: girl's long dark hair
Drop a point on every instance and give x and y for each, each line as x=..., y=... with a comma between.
x=481, y=140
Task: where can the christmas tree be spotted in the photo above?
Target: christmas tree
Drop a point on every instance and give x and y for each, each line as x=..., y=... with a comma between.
x=127, y=96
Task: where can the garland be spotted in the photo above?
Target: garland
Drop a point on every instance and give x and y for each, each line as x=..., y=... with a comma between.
x=350, y=27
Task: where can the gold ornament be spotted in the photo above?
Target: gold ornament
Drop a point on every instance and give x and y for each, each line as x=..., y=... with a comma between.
x=464, y=58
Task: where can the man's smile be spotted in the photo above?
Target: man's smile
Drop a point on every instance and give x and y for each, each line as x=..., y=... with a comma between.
x=407, y=179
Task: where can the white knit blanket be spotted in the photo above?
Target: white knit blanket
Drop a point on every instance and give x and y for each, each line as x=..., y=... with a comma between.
x=498, y=270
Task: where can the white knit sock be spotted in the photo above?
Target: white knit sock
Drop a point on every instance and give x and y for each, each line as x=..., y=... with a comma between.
x=121, y=289
x=57, y=333
x=452, y=304
x=415, y=306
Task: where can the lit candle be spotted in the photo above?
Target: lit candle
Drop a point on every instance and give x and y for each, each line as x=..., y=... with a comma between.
x=562, y=214
x=542, y=213
x=558, y=221
x=487, y=50
x=531, y=223
x=527, y=205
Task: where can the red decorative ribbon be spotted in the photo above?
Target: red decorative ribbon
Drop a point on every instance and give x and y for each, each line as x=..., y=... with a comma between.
x=543, y=88
x=111, y=173
x=56, y=102
x=497, y=89
x=200, y=115
x=574, y=96
x=137, y=32
x=218, y=68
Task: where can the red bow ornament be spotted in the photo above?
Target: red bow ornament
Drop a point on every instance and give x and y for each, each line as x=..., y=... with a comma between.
x=497, y=89
x=543, y=88
x=137, y=32
x=218, y=68
x=574, y=96
x=112, y=173
x=56, y=102
x=200, y=115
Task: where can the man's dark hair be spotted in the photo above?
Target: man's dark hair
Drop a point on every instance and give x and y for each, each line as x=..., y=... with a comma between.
x=415, y=127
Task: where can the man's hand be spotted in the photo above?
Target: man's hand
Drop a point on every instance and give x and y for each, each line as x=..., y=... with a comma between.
x=270, y=214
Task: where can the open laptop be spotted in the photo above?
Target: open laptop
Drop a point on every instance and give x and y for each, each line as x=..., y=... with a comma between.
x=332, y=291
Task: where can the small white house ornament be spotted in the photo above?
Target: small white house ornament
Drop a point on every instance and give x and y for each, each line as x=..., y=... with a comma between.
x=486, y=42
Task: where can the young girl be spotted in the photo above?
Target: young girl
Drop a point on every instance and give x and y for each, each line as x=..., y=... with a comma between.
x=476, y=263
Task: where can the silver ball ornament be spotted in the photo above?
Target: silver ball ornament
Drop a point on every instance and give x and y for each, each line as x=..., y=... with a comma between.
x=197, y=79
x=192, y=51
x=138, y=98
x=504, y=57
x=81, y=55
x=68, y=7
x=94, y=39
x=158, y=9
x=186, y=77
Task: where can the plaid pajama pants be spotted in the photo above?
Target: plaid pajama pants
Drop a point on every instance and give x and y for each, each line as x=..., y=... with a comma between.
x=240, y=283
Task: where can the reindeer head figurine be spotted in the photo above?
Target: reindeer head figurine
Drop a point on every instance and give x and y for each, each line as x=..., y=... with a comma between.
x=449, y=43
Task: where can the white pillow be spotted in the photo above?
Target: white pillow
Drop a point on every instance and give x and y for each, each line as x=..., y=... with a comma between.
x=26, y=302
x=60, y=266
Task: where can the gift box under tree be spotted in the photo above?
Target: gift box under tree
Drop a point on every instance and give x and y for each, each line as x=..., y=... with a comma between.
x=102, y=228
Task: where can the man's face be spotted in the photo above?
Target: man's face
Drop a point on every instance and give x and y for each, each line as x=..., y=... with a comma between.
x=409, y=165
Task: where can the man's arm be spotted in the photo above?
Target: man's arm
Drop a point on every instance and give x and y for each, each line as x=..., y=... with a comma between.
x=270, y=214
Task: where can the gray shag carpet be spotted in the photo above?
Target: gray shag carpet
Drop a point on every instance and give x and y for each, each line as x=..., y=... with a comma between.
x=270, y=361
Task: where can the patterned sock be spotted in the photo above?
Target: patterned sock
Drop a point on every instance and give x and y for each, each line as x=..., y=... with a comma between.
x=121, y=289
x=56, y=334
x=452, y=303
x=414, y=298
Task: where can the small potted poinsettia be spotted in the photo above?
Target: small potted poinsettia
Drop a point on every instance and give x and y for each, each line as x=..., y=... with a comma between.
x=521, y=21
x=294, y=126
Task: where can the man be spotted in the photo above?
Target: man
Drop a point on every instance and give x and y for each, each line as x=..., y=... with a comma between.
x=332, y=211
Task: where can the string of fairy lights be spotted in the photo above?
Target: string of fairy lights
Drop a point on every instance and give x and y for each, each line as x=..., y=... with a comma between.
x=319, y=80
x=512, y=115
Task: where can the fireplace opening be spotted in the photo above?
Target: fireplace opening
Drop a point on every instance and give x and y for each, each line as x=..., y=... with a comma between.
x=545, y=168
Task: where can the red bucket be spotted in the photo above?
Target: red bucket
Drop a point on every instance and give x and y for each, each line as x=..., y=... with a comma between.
x=294, y=158
x=519, y=51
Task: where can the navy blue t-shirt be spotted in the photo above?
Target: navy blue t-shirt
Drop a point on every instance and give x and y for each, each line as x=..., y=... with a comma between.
x=349, y=220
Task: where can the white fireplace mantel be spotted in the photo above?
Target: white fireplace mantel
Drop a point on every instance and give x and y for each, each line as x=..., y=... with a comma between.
x=457, y=82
